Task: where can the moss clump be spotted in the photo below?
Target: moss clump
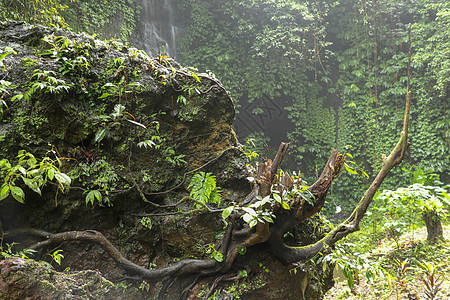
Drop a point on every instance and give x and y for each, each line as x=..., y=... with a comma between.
x=29, y=62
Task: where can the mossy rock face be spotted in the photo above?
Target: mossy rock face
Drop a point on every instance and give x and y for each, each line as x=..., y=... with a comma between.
x=73, y=114
x=28, y=279
x=97, y=101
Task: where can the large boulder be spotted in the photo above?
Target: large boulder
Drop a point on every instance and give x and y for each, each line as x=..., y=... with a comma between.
x=22, y=278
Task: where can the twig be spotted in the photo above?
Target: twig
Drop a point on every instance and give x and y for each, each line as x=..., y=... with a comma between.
x=101, y=284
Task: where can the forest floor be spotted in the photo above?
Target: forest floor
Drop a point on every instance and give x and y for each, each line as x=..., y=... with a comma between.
x=412, y=246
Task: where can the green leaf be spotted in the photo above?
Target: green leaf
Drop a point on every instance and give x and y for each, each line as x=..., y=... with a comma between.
x=100, y=135
x=18, y=193
x=146, y=222
x=90, y=198
x=29, y=183
x=63, y=179
x=215, y=196
x=4, y=192
x=119, y=109
x=267, y=219
x=203, y=187
x=308, y=197
x=243, y=273
x=104, y=95
x=285, y=205
x=135, y=84
x=217, y=256
x=277, y=198
x=350, y=170
x=181, y=99
x=196, y=77
x=265, y=200
x=241, y=249
x=37, y=190
x=146, y=143
x=17, y=97
x=227, y=212
x=109, y=84
x=92, y=195
x=50, y=174
x=3, y=55
x=247, y=218
x=97, y=195
x=137, y=123
x=249, y=211
x=22, y=170
x=31, y=161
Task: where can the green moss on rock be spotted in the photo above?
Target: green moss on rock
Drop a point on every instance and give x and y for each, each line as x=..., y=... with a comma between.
x=25, y=278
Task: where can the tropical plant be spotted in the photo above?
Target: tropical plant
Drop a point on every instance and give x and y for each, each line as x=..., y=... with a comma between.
x=45, y=82
x=33, y=173
x=353, y=264
x=402, y=208
x=7, y=252
x=114, y=120
x=57, y=256
x=432, y=279
x=73, y=56
x=203, y=189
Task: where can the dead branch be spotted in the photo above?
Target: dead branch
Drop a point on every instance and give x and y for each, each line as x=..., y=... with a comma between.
x=293, y=255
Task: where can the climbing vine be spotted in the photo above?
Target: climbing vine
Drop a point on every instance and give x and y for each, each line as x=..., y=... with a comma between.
x=372, y=83
x=46, y=12
x=109, y=19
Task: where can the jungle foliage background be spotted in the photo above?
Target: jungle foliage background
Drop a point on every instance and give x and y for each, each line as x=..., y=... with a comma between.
x=341, y=67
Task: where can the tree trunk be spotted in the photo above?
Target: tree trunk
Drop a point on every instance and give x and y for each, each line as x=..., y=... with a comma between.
x=434, y=226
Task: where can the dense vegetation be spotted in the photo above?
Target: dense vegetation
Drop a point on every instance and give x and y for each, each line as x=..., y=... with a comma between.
x=341, y=66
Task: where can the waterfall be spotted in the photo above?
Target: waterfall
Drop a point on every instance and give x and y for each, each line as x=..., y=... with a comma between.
x=157, y=31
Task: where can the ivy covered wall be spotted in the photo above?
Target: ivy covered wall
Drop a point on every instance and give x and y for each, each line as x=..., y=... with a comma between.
x=108, y=19
x=270, y=55
x=371, y=55
x=340, y=72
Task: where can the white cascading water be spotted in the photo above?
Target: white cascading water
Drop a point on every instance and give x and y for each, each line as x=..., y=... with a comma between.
x=158, y=32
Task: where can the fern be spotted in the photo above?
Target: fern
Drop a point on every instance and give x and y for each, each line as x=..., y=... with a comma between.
x=203, y=188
